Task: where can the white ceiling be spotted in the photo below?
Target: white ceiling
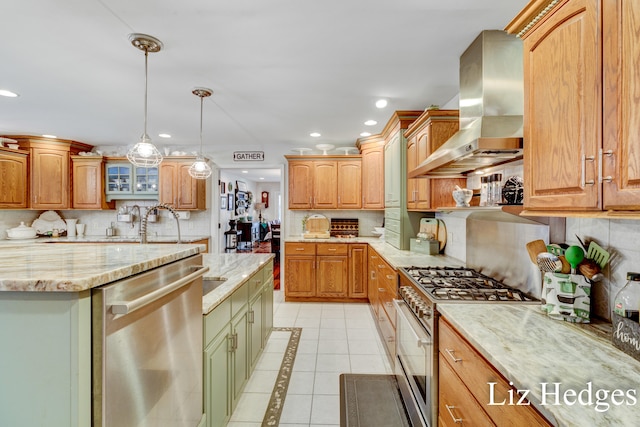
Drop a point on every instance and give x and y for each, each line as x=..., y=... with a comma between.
x=280, y=69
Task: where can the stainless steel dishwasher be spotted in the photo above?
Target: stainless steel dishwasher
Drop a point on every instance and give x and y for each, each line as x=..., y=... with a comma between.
x=147, y=348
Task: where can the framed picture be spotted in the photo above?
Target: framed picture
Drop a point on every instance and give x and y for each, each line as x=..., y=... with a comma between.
x=230, y=202
x=223, y=187
x=223, y=203
x=241, y=186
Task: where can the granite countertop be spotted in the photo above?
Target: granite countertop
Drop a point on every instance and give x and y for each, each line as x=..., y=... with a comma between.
x=530, y=349
x=105, y=239
x=395, y=257
x=235, y=269
x=78, y=267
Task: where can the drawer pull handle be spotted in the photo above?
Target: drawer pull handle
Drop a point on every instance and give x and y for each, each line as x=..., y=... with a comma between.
x=299, y=249
x=380, y=289
x=453, y=417
x=332, y=249
x=390, y=276
x=453, y=356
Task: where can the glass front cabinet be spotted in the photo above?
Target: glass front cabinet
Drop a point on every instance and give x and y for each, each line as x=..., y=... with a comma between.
x=126, y=181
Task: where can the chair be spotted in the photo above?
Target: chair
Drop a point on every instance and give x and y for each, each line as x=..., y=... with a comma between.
x=275, y=237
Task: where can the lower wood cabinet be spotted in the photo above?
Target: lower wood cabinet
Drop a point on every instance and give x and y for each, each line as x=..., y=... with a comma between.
x=235, y=334
x=383, y=289
x=325, y=272
x=464, y=393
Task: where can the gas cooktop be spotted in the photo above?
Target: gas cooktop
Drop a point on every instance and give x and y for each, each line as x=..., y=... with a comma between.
x=462, y=284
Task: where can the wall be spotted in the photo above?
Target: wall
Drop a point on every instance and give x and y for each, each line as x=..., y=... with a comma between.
x=366, y=220
x=97, y=221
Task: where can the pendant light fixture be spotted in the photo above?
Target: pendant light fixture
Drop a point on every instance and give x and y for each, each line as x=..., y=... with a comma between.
x=144, y=153
x=200, y=169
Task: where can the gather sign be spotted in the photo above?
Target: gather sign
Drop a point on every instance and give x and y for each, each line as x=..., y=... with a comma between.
x=248, y=156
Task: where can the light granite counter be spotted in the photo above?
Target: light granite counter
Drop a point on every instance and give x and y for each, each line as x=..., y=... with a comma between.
x=395, y=257
x=104, y=239
x=78, y=267
x=234, y=269
x=532, y=350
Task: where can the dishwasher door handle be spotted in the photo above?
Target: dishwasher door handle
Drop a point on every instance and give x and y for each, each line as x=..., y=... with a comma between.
x=126, y=307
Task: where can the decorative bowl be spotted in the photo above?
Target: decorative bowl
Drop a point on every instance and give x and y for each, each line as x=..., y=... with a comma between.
x=21, y=232
x=462, y=197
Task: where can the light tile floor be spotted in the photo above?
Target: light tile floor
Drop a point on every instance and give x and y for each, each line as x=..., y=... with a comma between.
x=336, y=338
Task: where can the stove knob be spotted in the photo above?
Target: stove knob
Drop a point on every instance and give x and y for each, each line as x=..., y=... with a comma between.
x=428, y=312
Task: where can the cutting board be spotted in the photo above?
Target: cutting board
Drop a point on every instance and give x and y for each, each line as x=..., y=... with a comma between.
x=317, y=227
x=435, y=227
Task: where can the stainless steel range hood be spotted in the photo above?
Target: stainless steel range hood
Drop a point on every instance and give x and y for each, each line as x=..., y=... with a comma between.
x=491, y=109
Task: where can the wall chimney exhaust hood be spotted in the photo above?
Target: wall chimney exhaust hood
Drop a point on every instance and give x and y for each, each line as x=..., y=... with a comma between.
x=491, y=109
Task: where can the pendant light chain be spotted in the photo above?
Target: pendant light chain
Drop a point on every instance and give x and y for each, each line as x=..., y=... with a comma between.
x=146, y=90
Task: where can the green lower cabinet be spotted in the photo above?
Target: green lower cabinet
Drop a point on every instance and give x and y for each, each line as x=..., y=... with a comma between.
x=235, y=334
x=217, y=379
x=239, y=356
x=255, y=328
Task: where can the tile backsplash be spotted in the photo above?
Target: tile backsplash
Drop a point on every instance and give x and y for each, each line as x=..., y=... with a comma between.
x=199, y=223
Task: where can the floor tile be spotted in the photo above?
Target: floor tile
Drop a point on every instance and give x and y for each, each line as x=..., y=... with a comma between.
x=333, y=333
x=364, y=347
x=302, y=382
x=367, y=364
x=297, y=409
x=251, y=407
x=308, y=346
x=261, y=382
x=333, y=363
x=332, y=323
x=326, y=383
x=330, y=346
x=305, y=362
x=324, y=411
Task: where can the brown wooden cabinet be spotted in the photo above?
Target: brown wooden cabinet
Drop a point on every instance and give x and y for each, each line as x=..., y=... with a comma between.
x=372, y=152
x=50, y=170
x=88, y=183
x=383, y=285
x=327, y=183
x=358, y=270
x=581, y=152
x=325, y=272
x=432, y=129
x=14, y=179
x=299, y=270
x=463, y=383
x=178, y=188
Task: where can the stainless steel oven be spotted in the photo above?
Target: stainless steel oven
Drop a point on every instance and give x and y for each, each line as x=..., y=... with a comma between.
x=415, y=364
x=421, y=290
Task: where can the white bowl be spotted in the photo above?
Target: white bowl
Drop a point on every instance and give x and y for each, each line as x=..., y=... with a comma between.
x=21, y=232
x=462, y=197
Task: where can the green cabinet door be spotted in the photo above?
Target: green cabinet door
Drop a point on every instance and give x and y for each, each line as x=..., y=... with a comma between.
x=267, y=309
x=239, y=355
x=255, y=329
x=217, y=379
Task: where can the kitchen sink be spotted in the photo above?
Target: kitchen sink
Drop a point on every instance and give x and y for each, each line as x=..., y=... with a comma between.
x=210, y=285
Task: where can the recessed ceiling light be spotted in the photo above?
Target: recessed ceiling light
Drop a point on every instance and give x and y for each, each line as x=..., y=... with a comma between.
x=315, y=134
x=8, y=93
x=49, y=136
x=164, y=135
x=261, y=177
x=381, y=103
x=365, y=134
x=370, y=123
x=245, y=171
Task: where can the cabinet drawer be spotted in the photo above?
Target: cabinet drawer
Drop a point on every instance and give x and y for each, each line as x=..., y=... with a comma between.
x=267, y=270
x=456, y=405
x=332, y=249
x=255, y=283
x=477, y=374
x=239, y=298
x=294, y=248
x=392, y=225
x=392, y=213
x=217, y=320
x=392, y=238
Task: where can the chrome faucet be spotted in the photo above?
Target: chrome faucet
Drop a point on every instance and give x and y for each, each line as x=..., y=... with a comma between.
x=143, y=226
x=136, y=207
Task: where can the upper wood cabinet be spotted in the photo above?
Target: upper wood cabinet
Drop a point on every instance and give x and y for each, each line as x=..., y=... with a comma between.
x=178, y=188
x=88, y=183
x=50, y=170
x=326, y=183
x=372, y=153
x=432, y=129
x=14, y=179
x=581, y=150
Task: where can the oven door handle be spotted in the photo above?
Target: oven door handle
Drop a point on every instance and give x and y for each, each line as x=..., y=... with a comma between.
x=400, y=306
x=126, y=307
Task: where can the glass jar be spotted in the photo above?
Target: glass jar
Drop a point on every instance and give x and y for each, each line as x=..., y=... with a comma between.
x=484, y=190
x=496, y=199
x=627, y=301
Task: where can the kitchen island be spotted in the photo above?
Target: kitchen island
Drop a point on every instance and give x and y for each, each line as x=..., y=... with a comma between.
x=46, y=323
x=573, y=377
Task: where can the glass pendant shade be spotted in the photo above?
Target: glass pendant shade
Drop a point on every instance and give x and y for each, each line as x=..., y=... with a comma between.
x=144, y=153
x=200, y=169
